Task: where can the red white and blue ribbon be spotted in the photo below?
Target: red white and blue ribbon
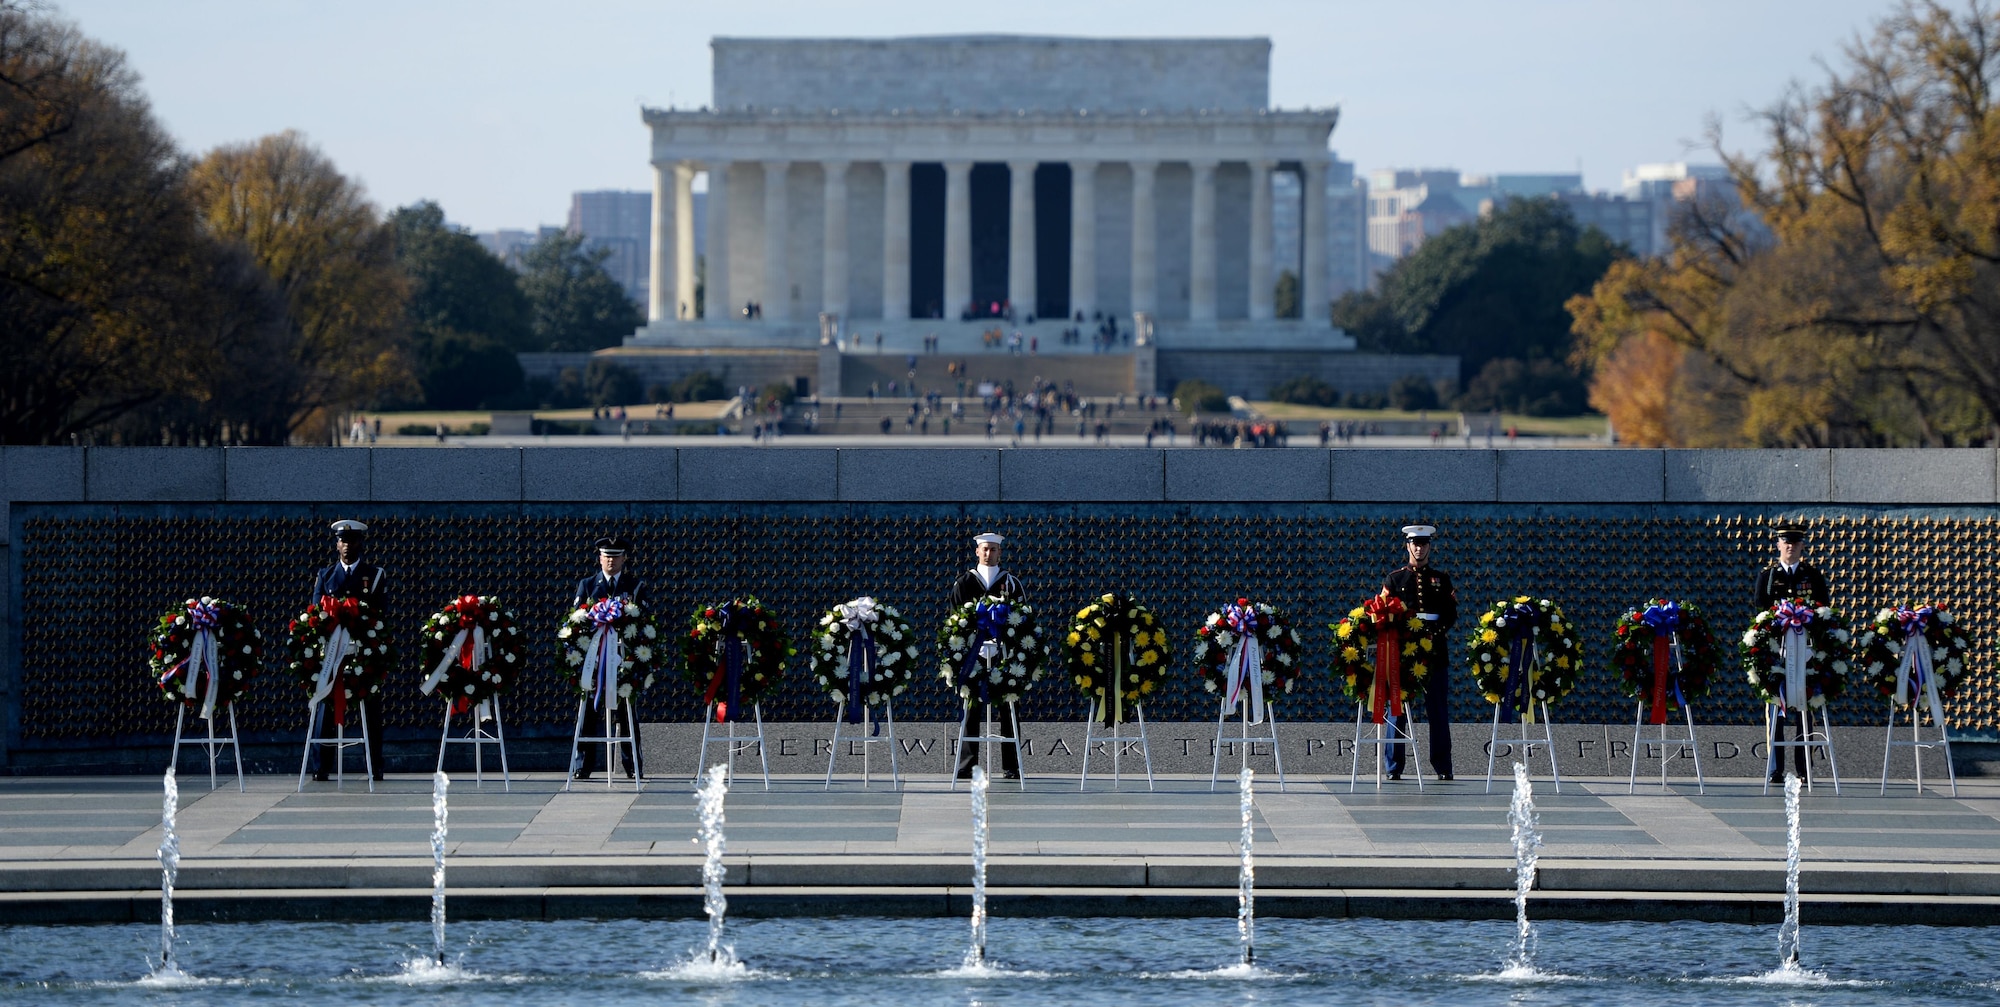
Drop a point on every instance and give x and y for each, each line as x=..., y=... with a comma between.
x=1245, y=662
x=606, y=656
x=1665, y=622
x=202, y=666
x=1915, y=675
x=1793, y=618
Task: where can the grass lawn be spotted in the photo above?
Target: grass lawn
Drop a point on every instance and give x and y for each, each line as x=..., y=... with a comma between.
x=460, y=422
x=1587, y=425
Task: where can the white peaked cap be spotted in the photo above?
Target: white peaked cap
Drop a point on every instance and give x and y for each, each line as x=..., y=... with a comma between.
x=1419, y=531
x=346, y=525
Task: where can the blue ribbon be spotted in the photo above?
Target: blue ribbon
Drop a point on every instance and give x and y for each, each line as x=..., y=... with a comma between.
x=1517, y=696
x=1665, y=620
x=860, y=662
x=989, y=622
x=735, y=654
x=604, y=615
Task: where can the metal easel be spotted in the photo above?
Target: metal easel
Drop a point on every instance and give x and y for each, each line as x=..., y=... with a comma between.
x=1494, y=741
x=868, y=737
x=340, y=743
x=211, y=744
x=733, y=738
x=1388, y=732
x=1118, y=742
x=1222, y=718
x=479, y=737
x=611, y=742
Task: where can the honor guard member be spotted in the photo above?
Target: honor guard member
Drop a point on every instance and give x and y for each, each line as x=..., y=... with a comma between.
x=1427, y=595
x=610, y=581
x=350, y=577
x=1789, y=576
x=983, y=580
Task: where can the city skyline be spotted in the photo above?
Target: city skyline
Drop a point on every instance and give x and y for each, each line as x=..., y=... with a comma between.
x=427, y=103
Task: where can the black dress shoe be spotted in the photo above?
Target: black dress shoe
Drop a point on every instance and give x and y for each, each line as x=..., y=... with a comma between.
x=319, y=777
x=378, y=777
x=1008, y=774
x=1395, y=776
x=581, y=774
x=1446, y=777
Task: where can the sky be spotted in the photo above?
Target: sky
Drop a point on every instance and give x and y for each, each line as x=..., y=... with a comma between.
x=499, y=109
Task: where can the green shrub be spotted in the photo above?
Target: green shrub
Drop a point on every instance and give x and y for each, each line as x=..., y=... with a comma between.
x=1413, y=393
x=1196, y=395
x=1305, y=390
x=700, y=386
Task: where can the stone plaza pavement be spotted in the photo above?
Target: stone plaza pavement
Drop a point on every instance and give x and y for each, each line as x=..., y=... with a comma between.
x=85, y=848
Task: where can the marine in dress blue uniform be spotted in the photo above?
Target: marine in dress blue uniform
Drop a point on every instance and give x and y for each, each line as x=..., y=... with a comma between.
x=985, y=579
x=611, y=580
x=351, y=577
x=1788, y=575
x=1426, y=593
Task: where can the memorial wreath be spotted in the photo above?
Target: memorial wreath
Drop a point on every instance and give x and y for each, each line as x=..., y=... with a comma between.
x=1524, y=654
x=736, y=653
x=1644, y=642
x=339, y=649
x=1795, y=654
x=1902, y=672
x=1380, y=639
x=1116, y=652
x=862, y=654
x=473, y=651
x=206, y=651
x=607, y=645
x=1243, y=638
x=988, y=650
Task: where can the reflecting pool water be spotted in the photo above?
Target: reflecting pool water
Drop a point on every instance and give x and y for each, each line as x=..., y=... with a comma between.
x=1044, y=962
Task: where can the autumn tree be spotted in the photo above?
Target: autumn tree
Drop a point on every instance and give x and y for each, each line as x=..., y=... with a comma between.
x=331, y=263
x=101, y=260
x=1847, y=291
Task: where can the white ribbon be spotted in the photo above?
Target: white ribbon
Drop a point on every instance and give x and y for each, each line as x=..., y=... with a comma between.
x=858, y=614
x=1916, y=661
x=338, y=644
x=480, y=652
x=605, y=648
x=1797, y=651
x=202, y=658
x=1246, y=663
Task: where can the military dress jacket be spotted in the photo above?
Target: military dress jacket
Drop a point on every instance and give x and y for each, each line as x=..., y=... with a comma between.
x=1425, y=592
x=597, y=587
x=970, y=588
x=365, y=581
x=1775, y=584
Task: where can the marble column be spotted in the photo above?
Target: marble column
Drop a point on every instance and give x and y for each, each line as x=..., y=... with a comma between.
x=659, y=300
x=895, y=240
x=1021, y=237
x=777, y=296
x=957, y=237
x=1262, y=285
x=1201, y=254
x=682, y=304
x=1145, y=282
x=1312, y=286
x=1082, y=237
x=833, y=274
x=718, y=304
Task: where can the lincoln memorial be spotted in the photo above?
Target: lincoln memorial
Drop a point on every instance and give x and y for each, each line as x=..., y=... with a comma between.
x=913, y=184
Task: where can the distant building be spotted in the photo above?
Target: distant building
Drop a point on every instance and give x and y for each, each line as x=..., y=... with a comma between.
x=1346, y=227
x=1673, y=184
x=1636, y=223
x=623, y=223
x=1406, y=207
x=509, y=245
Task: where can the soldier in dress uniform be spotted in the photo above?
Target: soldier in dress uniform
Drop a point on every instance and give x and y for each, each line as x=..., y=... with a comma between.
x=1427, y=594
x=1788, y=575
x=983, y=580
x=610, y=581
x=350, y=577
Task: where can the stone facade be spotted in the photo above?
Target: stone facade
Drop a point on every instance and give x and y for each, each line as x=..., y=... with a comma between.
x=1078, y=176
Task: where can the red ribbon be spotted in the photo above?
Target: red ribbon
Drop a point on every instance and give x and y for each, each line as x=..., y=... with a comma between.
x=1657, y=714
x=469, y=611
x=1386, y=613
x=343, y=611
